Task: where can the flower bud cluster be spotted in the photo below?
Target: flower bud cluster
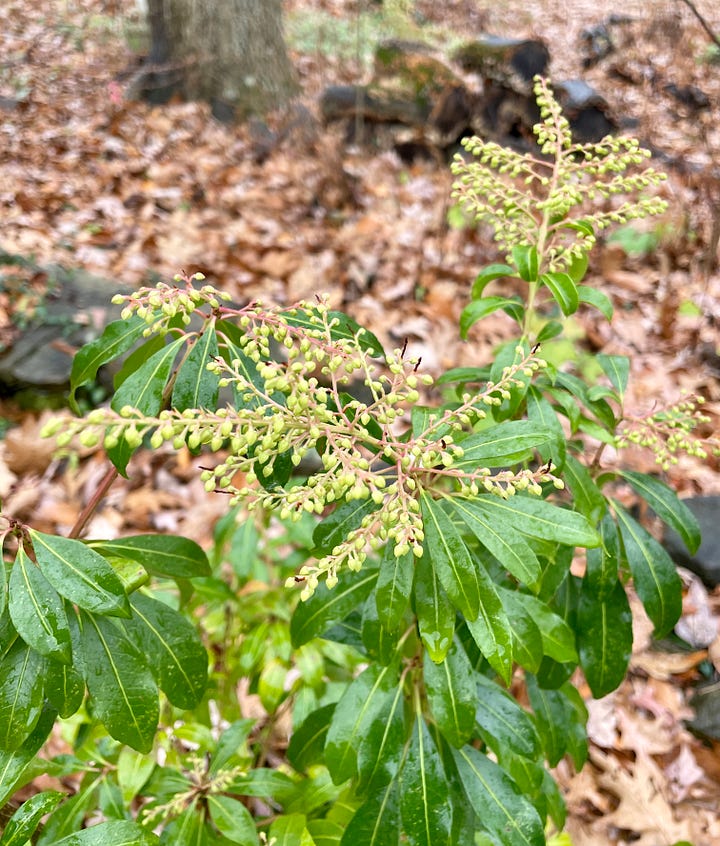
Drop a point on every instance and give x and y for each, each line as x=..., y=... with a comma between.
x=159, y=305
x=669, y=433
x=530, y=201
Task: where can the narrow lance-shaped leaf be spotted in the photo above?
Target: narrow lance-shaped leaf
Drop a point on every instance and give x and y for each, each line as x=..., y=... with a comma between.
x=503, y=812
x=383, y=745
x=481, y=308
x=489, y=274
x=336, y=526
x=451, y=694
x=502, y=722
x=14, y=763
x=116, y=833
x=557, y=637
x=424, y=807
x=602, y=564
x=377, y=822
x=308, y=740
x=22, y=682
x=23, y=823
x=123, y=690
x=617, y=369
x=597, y=299
x=450, y=558
x=64, y=688
x=435, y=613
x=506, y=443
x=666, y=504
x=563, y=289
x=587, y=497
x=604, y=633
x=553, y=717
x=37, y=611
x=232, y=819
x=173, y=650
x=161, y=555
x=526, y=260
x=394, y=587
x=80, y=574
x=196, y=386
x=654, y=573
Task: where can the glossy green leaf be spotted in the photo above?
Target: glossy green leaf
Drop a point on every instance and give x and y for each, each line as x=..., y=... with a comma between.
x=654, y=573
x=22, y=682
x=271, y=683
x=188, y=829
x=666, y=504
x=143, y=390
x=450, y=558
x=80, y=574
x=597, y=299
x=563, y=289
x=232, y=819
x=137, y=357
x=394, y=587
x=553, y=718
x=540, y=519
x=172, y=649
x=382, y=746
x=477, y=309
x=326, y=607
x=557, y=637
x=424, y=808
x=451, y=694
x=604, y=635
x=117, y=338
x=527, y=643
x=380, y=644
x=502, y=810
x=578, y=267
x=502, y=541
x=577, y=740
x=325, y=832
x=14, y=763
x=23, y=823
x=290, y=830
x=491, y=630
x=616, y=368
x=489, y=274
x=161, y=555
x=587, y=497
x=196, y=386
x=507, y=443
x=343, y=328
x=120, y=833
x=334, y=529
x=308, y=740
x=64, y=688
x=37, y=611
x=122, y=687
x=435, y=612
x=550, y=330
x=264, y=783
x=231, y=745
x=542, y=415
x=603, y=563
x=133, y=772
x=503, y=724
x=377, y=822
x=363, y=700
x=525, y=257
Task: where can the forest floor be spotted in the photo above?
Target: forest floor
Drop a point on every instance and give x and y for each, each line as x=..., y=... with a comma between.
x=91, y=179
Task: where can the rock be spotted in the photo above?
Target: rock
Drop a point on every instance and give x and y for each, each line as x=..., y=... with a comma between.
x=706, y=703
x=512, y=62
x=706, y=561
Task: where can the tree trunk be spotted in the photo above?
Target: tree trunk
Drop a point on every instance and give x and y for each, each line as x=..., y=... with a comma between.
x=230, y=53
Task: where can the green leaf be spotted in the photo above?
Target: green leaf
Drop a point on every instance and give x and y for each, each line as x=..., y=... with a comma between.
x=195, y=385
x=578, y=267
x=394, y=586
x=232, y=819
x=503, y=724
x=122, y=687
x=166, y=556
x=380, y=644
x=188, y=829
x=502, y=810
x=230, y=745
x=13, y=764
x=377, y=822
x=597, y=299
x=133, y=772
x=64, y=688
x=308, y=740
x=117, y=338
x=489, y=274
x=80, y=574
x=491, y=630
x=541, y=413
x=552, y=717
x=140, y=354
x=435, y=613
x=602, y=564
x=23, y=823
x=666, y=504
x=557, y=637
x=587, y=497
x=382, y=747
x=563, y=289
x=22, y=681
x=326, y=607
x=343, y=328
x=550, y=330
x=334, y=529
x=654, y=573
x=525, y=257
x=450, y=558
x=37, y=611
x=264, y=783
x=172, y=649
x=143, y=390
x=604, y=634
x=451, y=694
x=355, y=712
x=290, y=830
x=509, y=442
x=480, y=308
x=540, y=519
x=119, y=833
x=527, y=644
x=424, y=808
x=502, y=541
x=616, y=368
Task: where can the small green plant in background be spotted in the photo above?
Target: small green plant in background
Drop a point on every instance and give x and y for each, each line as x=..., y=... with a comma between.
x=389, y=570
